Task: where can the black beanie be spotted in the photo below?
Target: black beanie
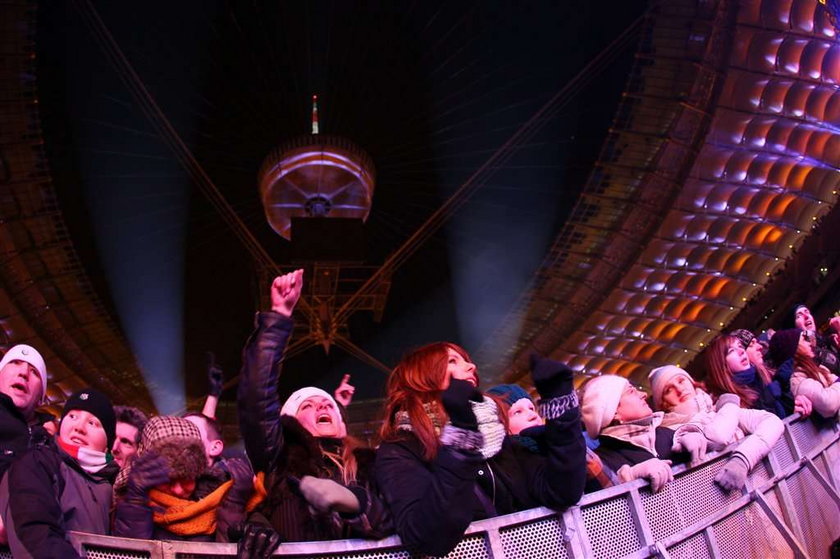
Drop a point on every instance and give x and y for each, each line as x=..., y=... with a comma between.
x=783, y=345
x=98, y=404
x=791, y=318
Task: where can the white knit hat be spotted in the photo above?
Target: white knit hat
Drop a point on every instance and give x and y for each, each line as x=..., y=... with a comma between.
x=29, y=354
x=291, y=405
x=600, y=400
x=659, y=377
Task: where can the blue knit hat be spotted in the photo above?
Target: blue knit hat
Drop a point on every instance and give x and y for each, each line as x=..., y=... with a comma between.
x=510, y=393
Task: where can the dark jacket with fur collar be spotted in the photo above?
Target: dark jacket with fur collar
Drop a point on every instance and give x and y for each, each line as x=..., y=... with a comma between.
x=283, y=449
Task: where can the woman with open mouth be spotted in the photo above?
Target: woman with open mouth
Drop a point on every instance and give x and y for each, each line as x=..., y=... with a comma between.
x=319, y=480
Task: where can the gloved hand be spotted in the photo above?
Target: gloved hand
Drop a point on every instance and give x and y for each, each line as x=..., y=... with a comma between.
x=215, y=376
x=657, y=471
x=456, y=401
x=243, y=481
x=693, y=443
x=734, y=473
x=727, y=399
x=552, y=378
x=148, y=470
x=325, y=495
x=253, y=540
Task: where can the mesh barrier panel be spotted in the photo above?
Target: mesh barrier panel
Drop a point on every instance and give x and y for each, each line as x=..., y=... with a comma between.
x=662, y=513
x=806, y=435
x=471, y=547
x=816, y=512
x=536, y=540
x=110, y=552
x=759, y=474
x=5, y=554
x=373, y=554
x=783, y=453
x=621, y=539
x=695, y=496
x=832, y=456
x=749, y=533
x=693, y=548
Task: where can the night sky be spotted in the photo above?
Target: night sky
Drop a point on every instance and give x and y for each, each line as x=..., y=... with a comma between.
x=429, y=89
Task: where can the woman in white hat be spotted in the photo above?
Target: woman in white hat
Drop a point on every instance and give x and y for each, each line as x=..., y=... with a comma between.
x=687, y=405
x=319, y=482
x=632, y=441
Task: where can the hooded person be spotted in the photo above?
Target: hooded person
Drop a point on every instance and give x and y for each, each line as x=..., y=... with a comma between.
x=23, y=386
x=66, y=485
x=319, y=481
x=688, y=406
x=633, y=441
x=155, y=491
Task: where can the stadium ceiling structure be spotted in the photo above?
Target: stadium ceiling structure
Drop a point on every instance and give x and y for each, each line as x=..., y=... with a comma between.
x=722, y=159
x=46, y=299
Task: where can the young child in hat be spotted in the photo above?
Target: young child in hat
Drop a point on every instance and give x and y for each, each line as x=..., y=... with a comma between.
x=527, y=427
x=66, y=485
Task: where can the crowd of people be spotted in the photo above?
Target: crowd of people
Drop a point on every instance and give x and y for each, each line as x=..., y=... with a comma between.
x=449, y=453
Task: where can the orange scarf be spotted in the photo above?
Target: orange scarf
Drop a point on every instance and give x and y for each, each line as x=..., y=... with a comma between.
x=191, y=518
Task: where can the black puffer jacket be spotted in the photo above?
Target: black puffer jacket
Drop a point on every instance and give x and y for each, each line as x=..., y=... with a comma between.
x=434, y=502
x=286, y=451
x=16, y=434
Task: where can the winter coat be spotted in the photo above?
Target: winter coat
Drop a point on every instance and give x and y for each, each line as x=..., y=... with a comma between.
x=758, y=430
x=769, y=396
x=616, y=453
x=52, y=494
x=824, y=396
x=286, y=452
x=434, y=502
x=16, y=434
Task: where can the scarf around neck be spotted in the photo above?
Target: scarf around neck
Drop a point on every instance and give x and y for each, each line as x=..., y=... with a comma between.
x=641, y=432
x=486, y=413
x=90, y=460
x=745, y=377
x=191, y=518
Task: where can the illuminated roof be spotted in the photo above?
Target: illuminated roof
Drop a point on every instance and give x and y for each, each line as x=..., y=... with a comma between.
x=46, y=299
x=723, y=156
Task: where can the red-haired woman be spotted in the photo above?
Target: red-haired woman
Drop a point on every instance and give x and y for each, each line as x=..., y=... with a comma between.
x=809, y=379
x=445, y=460
x=729, y=371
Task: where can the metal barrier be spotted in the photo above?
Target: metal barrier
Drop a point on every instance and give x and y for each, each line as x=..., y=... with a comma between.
x=790, y=507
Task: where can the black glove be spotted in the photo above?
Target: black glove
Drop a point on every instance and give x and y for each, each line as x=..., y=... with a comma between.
x=243, y=480
x=552, y=378
x=253, y=540
x=148, y=470
x=215, y=376
x=456, y=401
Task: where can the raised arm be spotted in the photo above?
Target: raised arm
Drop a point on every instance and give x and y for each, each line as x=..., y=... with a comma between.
x=561, y=480
x=257, y=399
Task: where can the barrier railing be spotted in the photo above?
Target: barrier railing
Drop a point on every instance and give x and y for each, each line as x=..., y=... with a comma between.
x=790, y=507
